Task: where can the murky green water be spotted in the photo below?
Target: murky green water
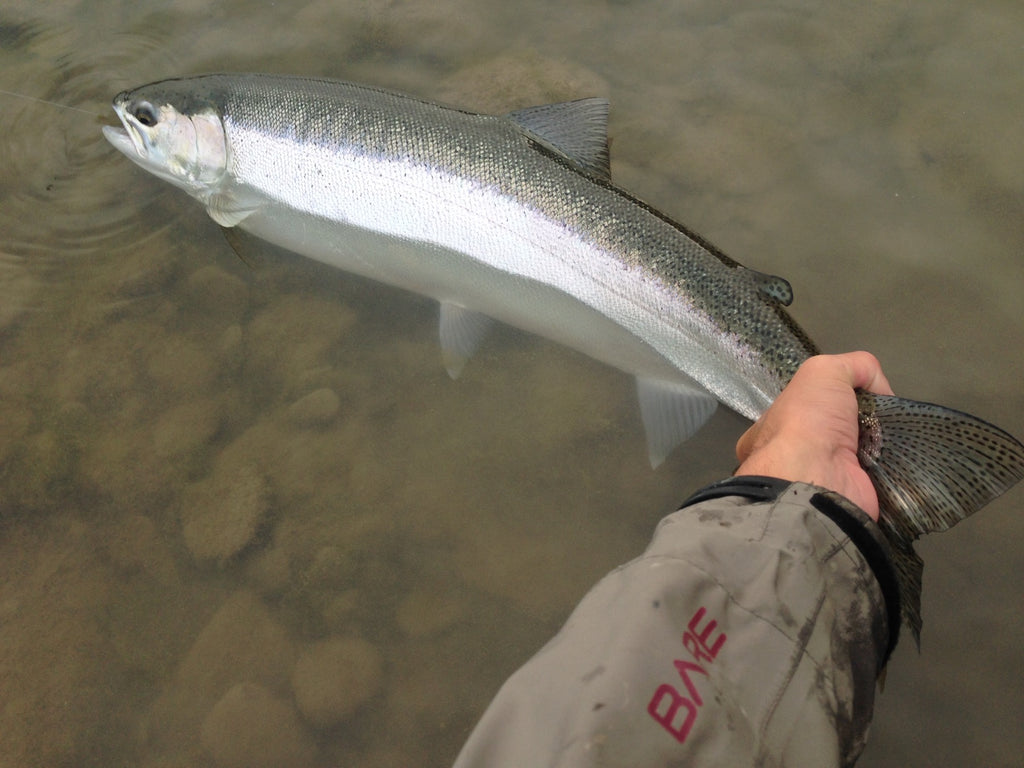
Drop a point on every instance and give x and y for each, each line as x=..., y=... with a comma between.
x=211, y=470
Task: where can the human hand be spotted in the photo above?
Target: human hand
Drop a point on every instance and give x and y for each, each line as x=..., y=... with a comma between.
x=809, y=434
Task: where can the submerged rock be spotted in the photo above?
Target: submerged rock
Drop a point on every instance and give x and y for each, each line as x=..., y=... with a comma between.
x=317, y=409
x=293, y=335
x=221, y=516
x=426, y=612
x=251, y=728
x=181, y=366
x=184, y=429
x=242, y=642
x=333, y=677
x=217, y=293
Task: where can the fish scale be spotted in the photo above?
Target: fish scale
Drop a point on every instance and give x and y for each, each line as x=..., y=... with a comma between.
x=436, y=143
x=515, y=217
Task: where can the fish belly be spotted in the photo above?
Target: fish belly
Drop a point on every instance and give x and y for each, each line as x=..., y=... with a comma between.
x=454, y=277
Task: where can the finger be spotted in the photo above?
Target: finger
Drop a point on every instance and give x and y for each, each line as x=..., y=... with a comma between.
x=858, y=370
x=865, y=372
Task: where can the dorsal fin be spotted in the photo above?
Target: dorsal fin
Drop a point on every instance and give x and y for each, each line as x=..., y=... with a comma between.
x=774, y=287
x=576, y=129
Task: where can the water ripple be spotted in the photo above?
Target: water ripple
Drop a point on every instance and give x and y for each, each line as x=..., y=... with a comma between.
x=62, y=187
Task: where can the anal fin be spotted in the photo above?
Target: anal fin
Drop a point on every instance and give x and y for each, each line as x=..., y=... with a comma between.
x=462, y=330
x=672, y=413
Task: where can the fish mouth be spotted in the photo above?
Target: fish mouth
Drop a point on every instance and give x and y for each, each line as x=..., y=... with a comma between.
x=127, y=139
x=120, y=139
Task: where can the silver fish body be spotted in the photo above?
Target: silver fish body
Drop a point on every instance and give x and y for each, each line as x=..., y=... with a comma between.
x=489, y=216
x=515, y=217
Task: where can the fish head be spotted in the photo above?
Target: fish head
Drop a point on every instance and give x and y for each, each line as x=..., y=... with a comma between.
x=173, y=138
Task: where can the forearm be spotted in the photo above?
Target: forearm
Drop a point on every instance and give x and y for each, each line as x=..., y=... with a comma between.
x=749, y=632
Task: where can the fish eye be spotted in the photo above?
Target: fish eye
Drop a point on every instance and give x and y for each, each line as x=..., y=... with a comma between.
x=144, y=112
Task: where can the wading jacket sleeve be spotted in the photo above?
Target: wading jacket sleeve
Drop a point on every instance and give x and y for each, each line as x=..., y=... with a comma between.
x=750, y=633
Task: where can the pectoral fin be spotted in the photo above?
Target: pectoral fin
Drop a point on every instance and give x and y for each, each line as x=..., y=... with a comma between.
x=671, y=413
x=462, y=330
x=229, y=211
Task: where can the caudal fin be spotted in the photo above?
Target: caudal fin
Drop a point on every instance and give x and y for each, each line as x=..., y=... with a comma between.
x=931, y=467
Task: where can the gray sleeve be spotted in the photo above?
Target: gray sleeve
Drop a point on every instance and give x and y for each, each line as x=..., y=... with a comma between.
x=749, y=633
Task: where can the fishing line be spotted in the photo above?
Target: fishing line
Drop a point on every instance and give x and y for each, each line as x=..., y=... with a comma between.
x=51, y=103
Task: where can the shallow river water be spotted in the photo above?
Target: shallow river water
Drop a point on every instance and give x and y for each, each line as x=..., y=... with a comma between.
x=220, y=477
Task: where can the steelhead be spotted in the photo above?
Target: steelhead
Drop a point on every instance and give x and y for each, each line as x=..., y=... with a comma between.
x=515, y=218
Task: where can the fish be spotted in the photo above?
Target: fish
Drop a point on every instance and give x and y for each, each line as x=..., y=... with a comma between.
x=515, y=218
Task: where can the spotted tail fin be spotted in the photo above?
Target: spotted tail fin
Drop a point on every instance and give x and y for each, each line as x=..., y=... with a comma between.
x=931, y=467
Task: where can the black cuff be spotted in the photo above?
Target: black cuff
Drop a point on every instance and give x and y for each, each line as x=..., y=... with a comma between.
x=850, y=519
x=754, y=487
